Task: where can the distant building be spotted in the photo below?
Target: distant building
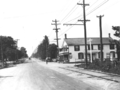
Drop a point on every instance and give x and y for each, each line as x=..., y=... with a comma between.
x=73, y=49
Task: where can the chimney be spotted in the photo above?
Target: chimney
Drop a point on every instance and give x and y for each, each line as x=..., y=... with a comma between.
x=65, y=36
x=109, y=35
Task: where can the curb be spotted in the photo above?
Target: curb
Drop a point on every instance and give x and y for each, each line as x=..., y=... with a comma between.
x=97, y=71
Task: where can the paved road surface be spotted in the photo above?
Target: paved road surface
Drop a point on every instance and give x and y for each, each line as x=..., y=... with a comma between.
x=33, y=76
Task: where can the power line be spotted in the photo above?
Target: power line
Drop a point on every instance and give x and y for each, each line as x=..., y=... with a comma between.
x=66, y=30
x=65, y=8
x=110, y=6
x=70, y=12
x=86, y=10
x=92, y=5
x=75, y=18
x=90, y=11
x=86, y=14
x=97, y=7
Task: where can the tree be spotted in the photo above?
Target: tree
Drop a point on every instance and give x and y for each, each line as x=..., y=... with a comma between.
x=42, y=49
x=9, y=50
x=117, y=34
x=52, y=51
x=45, y=47
x=117, y=30
x=23, y=52
x=7, y=45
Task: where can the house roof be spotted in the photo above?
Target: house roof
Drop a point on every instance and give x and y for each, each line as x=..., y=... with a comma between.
x=80, y=41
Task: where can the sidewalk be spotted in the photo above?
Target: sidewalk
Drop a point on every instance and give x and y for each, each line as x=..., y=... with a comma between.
x=94, y=78
x=92, y=73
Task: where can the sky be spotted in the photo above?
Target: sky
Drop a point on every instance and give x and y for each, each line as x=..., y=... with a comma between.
x=30, y=20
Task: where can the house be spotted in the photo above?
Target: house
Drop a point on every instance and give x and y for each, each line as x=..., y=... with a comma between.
x=73, y=49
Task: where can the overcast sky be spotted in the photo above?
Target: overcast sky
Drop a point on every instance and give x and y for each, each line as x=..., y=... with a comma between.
x=30, y=20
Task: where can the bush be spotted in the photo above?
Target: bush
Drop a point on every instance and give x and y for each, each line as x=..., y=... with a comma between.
x=106, y=66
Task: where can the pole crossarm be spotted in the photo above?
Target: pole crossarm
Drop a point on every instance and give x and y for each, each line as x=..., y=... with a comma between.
x=72, y=24
x=56, y=28
x=55, y=24
x=100, y=16
x=55, y=20
x=57, y=39
x=83, y=4
x=83, y=20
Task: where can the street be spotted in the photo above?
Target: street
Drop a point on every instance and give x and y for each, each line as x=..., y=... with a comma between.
x=33, y=76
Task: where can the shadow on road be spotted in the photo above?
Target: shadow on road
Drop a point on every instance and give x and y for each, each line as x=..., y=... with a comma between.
x=5, y=76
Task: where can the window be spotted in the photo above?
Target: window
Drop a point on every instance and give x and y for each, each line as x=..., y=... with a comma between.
x=80, y=56
x=89, y=47
x=76, y=48
x=112, y=46
x=99, y=55
x=92, y=47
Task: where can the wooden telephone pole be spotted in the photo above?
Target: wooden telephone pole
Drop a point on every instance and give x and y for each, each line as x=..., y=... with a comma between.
x=85, y=31
x=101, y=42
x=56, y=30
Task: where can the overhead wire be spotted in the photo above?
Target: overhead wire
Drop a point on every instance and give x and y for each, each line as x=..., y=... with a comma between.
x=93, y=4
x=90, y=11
x=70, y=12
x=81, y=15
x=97, y=7
x=77, y=18
x=110, y=5
x=87, y=13
x=67, y=30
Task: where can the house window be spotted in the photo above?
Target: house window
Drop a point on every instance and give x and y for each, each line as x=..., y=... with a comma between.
x=112, y=46
x=76, y=48
x=98, y=54
x=89, y=47
x=92, y=47
x=80, y=56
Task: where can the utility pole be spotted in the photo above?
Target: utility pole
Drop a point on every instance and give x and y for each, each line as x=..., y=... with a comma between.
x=56, y=30
x=85, y=31
x=84, y=23
x=101, y=42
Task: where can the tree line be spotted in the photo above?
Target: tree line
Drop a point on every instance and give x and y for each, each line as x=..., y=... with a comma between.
x=9, y=50
x=45, y=49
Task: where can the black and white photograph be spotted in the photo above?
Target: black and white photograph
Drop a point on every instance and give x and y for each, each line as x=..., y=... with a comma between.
x=59, y=45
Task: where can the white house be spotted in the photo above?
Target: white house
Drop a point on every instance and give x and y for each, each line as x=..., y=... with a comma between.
x=73, y=49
